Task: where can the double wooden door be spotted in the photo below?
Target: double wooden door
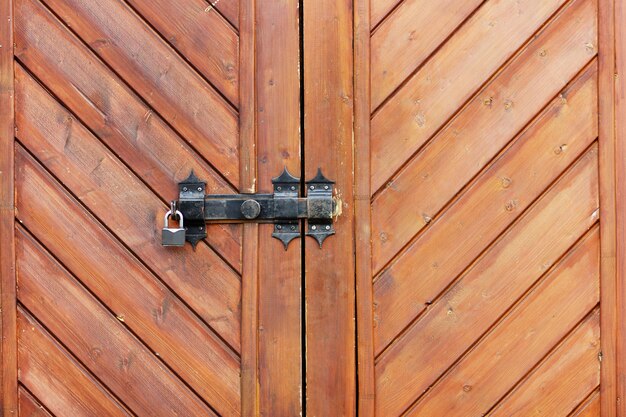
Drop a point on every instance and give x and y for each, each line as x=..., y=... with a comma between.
x=478, y=153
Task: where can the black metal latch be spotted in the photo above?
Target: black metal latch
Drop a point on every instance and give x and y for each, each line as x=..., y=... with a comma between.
x=284, y=208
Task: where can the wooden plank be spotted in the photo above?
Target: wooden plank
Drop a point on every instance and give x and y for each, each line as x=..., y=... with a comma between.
x=619, y=158
x=123, y=284
x=530, y=331
x=8, y=344
x=159, y=75
x=612, y=401
x=449, y=79
x=328, y=141
x=50, y=372
x=405, y=40
x=127, y=207
x=99, y=340
x=29, y=406
x=563, y=380
x=115, y=114
x=414, y=362
x=482, y=129
x=362, y=213
x=380, y=9
x=228, y=8
x=203, y=37
x=248, y=174
x=280, y=271
x=590, y=408
x=500, y=195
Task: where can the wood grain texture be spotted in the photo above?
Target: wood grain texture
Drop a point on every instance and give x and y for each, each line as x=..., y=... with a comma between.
x=120, y=119
x=29, y=406
x=201, y=36
x=590, y=407
x=500, y=195
x=53, y=375
x=476, y=301
x=415, y=197
x=620, y=187
x=8, y=344
x=280, y=272
x=530, y=331
x=380, y=9
x=563, y=380
x=127, y=207
x=100, y=341
x=362, y=213
x=227, y=8
x=126, y=287
x=159, y=76
x=442, y=85
x=608, y=170
x=405, y=40
x=328, y=138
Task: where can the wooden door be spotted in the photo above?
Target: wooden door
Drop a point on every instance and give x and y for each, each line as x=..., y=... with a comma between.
x=106, y=106
x=487, y=161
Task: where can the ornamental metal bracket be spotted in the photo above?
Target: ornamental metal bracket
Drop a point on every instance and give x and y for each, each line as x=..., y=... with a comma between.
x=284, y=208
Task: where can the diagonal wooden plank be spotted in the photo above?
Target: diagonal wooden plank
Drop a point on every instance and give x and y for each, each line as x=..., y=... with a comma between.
x=203, y=37
x=590, y=407
x=49, y=372
x=488, y=289
x=563, y=380
x=158, y=74
x=380, y=9
x=128, y=208
x=482, y=128
x=228, y=8
x=109, y=351
x=29, y=406
x=404, y=41
x=520, y=340
x=123, y=284
x=450, y=78
x=496, y=199
x=113, y=112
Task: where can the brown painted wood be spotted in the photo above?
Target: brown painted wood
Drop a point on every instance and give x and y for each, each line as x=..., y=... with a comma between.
x=202, y=36
x=8, y=345
x=405, y=40
x=546, y=315
x=366, y=400
x=563, y=380
x=62, y=143
x=329, y=279
x=280, y=389
x=159, y=75
x=415, y=197
x=120, y=119
x=228, y=8
x=442, y=85
x=29, y=406
x=54, y=376
x=500, y=195
x=590, y=408
x=127, y=288
x=609, y=287
x=101, y=342
x=414, y=363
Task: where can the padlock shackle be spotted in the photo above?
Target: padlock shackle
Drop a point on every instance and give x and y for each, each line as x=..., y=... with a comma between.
x=166, y=219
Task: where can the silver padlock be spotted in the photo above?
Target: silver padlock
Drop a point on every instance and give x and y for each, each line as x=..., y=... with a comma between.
x=173, y=236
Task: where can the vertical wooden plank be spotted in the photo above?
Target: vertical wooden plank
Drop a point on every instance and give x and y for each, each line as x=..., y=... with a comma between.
x=362, y=210
x=278, y=145
x=620, y=126
x=329, y=273
x=607, y=176
x=247, y=175
x=8, y=346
